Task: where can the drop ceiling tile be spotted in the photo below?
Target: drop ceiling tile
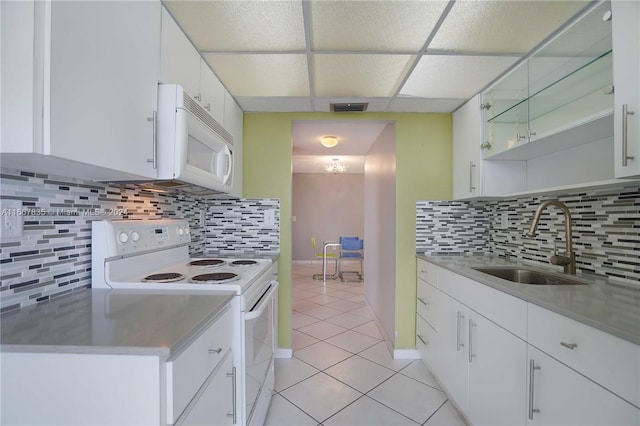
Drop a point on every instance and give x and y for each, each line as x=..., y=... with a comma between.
x=359, y=75
x=262, y=75
x=449, y=76
x=386, y=26
x=274, y=104
x=411, y=104
x=241, y=25
x=498, y=26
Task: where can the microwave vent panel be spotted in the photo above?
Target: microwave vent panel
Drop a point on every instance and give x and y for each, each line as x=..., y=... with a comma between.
x=194, y=108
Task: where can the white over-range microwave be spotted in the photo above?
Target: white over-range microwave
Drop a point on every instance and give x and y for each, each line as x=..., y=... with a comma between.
x=192, y=147
x=192, y=152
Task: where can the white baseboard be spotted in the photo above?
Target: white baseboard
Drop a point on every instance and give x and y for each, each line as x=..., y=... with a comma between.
x=283, y=353
x=406, y=354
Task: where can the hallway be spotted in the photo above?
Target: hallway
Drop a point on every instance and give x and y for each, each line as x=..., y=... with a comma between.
x=341, y=372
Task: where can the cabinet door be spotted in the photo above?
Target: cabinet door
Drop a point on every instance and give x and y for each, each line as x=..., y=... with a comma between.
x=179, y=60
x=560, y=396
x=233, y=123
x=214, y=405
x=212, y=92
x=467, y=130
x=104, y=83
x=452, y=356
x=497, y=383
x=626, y=77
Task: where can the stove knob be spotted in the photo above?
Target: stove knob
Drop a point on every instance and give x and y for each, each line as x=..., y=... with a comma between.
x=187, y=231
x=180, y=231
x=135, y=236
x=123, y=237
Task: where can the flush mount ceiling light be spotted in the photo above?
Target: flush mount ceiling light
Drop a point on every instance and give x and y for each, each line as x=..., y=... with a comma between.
x=336, y=166
x=329, y=141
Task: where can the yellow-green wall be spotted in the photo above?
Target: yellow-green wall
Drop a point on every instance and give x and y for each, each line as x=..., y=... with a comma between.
x=423, y=172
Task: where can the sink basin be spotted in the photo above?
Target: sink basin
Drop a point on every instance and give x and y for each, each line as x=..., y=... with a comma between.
x=528, y=276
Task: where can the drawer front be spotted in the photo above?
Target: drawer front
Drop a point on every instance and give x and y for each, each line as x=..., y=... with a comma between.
x=505, y=310
x=426, y=343
x=608, y=360
x=427, y=272
x=426, y=302
x=187, y=372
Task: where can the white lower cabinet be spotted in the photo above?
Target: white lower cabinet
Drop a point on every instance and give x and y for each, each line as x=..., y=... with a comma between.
x=496, y=383
x=481, y=366
x=496, y=375
x=560, y=396
x=214, y=404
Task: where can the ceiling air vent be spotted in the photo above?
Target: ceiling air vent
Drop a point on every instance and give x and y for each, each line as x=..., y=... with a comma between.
x=349, y=107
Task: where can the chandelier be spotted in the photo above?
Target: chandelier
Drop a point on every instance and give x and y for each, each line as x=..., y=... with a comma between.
x=336, y=166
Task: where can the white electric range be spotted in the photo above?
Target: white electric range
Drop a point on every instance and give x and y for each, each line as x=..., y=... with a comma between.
x=154, y=254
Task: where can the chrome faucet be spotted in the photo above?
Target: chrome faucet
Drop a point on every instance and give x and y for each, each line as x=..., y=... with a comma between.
x=568, y=261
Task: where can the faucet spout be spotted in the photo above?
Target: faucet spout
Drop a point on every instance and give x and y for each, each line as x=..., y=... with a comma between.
x=568, y=261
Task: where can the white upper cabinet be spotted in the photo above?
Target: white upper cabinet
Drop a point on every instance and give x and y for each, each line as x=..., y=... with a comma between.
x=180, y=63
x=212, y=93
x=555, y=121
x=179, y=60
x=626, y=75
x=233, y=123
x=89, y=71
x=467, y=127
x=473, y=177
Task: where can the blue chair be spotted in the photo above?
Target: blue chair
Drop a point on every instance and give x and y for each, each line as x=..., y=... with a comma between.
x=351, y=249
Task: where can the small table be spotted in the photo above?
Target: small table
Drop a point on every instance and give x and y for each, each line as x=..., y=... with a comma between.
x=324, y=260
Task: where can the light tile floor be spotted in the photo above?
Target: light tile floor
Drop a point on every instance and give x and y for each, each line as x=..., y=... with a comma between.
x=341, y=372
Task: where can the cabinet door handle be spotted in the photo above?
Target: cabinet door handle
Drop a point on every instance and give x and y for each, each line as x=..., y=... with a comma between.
x=472, y=325
x=198, y=97
x=208, y=107
x=232, y=375
x=459, y=344
x=532, y=368
x=154, y=160
x=471, y=185
x=421, y=339
x=571, y=346
x=215, y=351
x=625, y=134
x=422, y=301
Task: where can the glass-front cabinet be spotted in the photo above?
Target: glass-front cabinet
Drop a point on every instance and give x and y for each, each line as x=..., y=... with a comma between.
x=565, y=85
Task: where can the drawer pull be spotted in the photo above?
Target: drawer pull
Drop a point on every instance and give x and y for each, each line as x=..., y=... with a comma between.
x=215, y=351
x=422, y=301
x=421, y=339
x=571, y=346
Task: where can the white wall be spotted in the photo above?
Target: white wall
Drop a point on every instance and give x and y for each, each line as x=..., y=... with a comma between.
x=380, y=232
x=326, y=206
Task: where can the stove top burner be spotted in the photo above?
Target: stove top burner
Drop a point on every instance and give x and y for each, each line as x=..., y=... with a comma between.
x=166, y=277
x=243, y=262
x=215, y=278
x=207, y=263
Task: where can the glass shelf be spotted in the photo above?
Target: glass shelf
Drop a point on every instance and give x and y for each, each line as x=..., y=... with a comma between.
x=595, y=74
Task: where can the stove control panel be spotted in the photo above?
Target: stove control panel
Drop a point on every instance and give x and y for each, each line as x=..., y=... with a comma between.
x=134, y=236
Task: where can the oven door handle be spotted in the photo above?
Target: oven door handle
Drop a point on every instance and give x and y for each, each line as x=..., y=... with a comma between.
x=258, y=310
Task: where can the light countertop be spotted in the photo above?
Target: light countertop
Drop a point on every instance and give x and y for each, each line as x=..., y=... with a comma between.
x=141, y=322
x=601, y=303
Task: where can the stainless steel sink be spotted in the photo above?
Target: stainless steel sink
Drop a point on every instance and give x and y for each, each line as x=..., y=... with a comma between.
x=528, y=276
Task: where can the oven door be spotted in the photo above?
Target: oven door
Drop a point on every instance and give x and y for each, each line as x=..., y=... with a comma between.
x=259, y=343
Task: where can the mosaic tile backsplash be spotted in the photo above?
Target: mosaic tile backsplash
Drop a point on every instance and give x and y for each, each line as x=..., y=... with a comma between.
x=53, y=256
x=606, y=229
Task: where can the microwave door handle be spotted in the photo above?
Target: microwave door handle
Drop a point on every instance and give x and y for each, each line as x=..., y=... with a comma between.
x=227, y=155
x=257, y=311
